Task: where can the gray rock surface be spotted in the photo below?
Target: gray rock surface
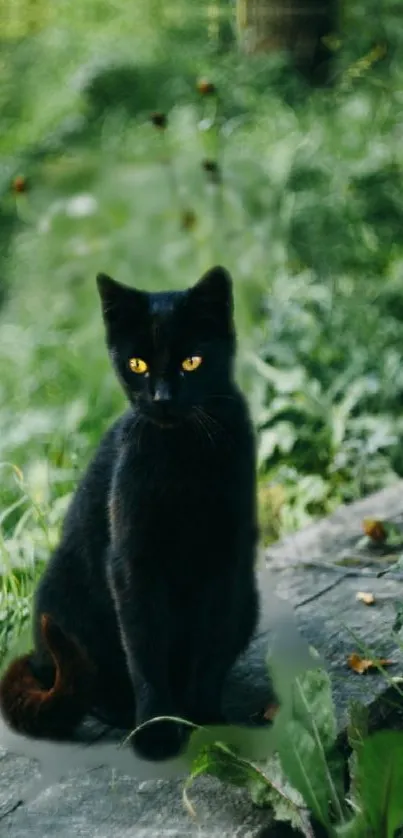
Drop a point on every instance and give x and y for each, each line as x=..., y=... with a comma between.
x=94, y=788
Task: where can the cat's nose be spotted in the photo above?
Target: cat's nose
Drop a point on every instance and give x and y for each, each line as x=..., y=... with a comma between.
x=162, y=392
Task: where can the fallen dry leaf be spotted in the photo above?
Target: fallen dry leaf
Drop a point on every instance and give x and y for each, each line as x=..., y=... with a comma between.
x=375, y=530
x=367, y=598
x=362, y=665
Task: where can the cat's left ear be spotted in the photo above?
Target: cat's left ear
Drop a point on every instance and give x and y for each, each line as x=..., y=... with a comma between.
x=214, y=292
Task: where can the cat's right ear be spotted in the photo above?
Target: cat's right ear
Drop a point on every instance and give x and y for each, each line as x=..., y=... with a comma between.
x=112, y=295
x=119, y=302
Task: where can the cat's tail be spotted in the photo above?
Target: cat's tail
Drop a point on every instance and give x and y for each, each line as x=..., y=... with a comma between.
x=30, y=708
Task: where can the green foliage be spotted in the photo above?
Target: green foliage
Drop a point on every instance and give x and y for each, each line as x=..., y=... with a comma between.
x=306, y=745
x=319, y=183
x=377, y=787
x=305, y=777
x=358, y=725
x=268, y=787
x=307, y=216
x=306, y=773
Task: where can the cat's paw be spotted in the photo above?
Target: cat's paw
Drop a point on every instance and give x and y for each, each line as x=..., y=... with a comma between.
x=160, y=740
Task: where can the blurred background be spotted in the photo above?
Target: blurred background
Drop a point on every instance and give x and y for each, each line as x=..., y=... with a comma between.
x=150, y=139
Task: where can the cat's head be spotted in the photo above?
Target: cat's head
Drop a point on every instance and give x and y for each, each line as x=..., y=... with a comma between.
x=174, y=350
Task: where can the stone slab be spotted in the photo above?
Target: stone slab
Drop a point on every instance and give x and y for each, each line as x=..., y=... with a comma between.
x=97, y=789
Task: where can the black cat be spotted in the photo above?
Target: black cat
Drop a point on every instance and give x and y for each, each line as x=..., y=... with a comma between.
x=151, y=595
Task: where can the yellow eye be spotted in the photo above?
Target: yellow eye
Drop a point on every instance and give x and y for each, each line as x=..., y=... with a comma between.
x=190, y=364
x=138, y=365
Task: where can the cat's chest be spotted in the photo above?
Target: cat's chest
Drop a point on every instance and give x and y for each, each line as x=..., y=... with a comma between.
x=173, y=475
x=174, y=459
x=175, y=490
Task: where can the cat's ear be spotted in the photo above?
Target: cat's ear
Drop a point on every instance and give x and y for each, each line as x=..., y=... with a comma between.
x=112, y=294
x=213, y=292
x=117, y=300
x=216, y=285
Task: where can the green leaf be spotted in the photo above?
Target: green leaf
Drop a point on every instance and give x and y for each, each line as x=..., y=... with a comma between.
x=299, y=760
x=379, y=782
x=357, y=732
x=220, y=761
x=306, y=744
x=341, y=412
x=356, y=828
x=308, y=699
x=282, y=436
x=284, y=380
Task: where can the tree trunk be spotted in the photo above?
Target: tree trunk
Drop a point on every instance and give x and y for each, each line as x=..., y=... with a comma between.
x=295, y=26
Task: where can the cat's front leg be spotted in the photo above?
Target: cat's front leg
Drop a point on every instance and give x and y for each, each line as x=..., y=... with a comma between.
x=225, y=627
x=208, y=672
x=147, y=637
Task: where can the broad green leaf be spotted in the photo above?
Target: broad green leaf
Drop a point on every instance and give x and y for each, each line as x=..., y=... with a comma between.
x=379, y=782
x=284, y=380
x=306, y=736
x=220, y=761
x=282, y=436
x=299, y=760
x=313, y=705
x=307, y=698
x=341, y=412
x=287, y=803
x=356, y=828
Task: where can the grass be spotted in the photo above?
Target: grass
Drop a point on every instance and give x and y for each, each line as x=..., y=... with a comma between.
x=307, y=217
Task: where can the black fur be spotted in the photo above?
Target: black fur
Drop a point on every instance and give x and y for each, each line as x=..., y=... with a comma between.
x=154, y=575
